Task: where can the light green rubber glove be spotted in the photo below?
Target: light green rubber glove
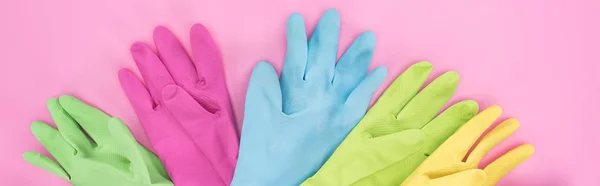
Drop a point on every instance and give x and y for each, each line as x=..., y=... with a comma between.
x=111, y=156
x=398, y=132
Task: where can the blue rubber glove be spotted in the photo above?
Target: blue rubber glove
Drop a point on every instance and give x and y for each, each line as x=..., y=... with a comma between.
x=291, y=129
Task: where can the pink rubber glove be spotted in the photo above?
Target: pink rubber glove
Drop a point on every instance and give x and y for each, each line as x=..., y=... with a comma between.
x=184, y=107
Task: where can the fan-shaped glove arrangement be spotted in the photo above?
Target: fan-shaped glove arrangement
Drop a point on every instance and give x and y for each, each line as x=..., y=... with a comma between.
x=307, y=127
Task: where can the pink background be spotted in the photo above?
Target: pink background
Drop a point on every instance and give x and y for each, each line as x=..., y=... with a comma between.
x=536, y=58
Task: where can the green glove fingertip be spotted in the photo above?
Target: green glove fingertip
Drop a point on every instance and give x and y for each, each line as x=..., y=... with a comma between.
x=45, y=163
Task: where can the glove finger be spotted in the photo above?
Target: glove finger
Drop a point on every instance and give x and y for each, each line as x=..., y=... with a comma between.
x=459, y=144
x=153, y=71
x=293, y=73
x=122, y=135
x=491, y=139
x=207, y=58
x=427, y=104
x=507, y=162
x=354, y=64
x=264, y=92
x=136, y=92
x=296, y=53
x=89, y=118
x=402, y=90
x=471, y=177
x=175, y=58
x=322, y=50
x=52, y=140
x=358, y=101
x=263, y=100
x=206, y=54
x=444, y=125
x=45, y=163
x=68, y=128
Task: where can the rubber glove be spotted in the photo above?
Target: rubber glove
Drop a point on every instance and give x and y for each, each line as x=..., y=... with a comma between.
x=185, y=107
x=109, y=156
x=293, y=125
x=398, y=132
x=452, y=165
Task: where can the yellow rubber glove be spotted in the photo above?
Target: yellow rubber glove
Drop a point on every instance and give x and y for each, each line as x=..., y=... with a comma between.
x=445, y=167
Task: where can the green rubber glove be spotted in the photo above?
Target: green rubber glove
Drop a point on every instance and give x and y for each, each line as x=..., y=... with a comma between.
x=398, y=132
x=109, y=156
